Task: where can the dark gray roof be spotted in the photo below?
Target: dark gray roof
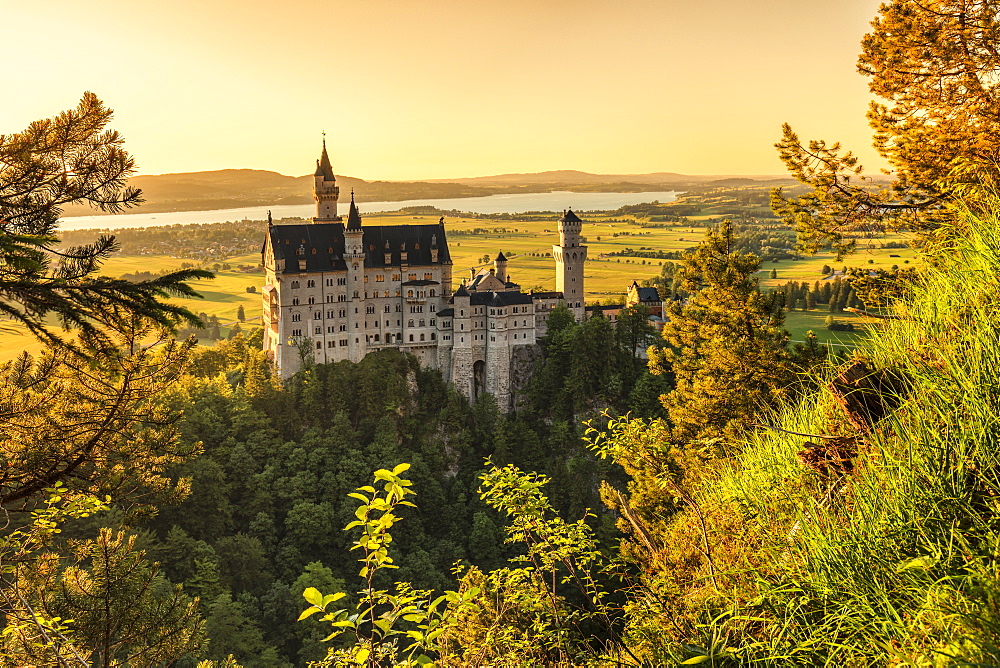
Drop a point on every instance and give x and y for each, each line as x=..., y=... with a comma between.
x=327, y=240
x=649, y=295
x=570, y=217
x=323, y=167
x=422, y=282
x=353, y=216
x=501, y=257
x=547, y=295
x=461, y=292
x=499, y=298
x=446, y=312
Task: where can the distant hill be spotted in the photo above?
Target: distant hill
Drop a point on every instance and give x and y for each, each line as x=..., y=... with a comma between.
x=572, y=177
x=235, y=188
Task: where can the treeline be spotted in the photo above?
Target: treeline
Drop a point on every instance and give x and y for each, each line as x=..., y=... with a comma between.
x=837, y=294
x=204, y=242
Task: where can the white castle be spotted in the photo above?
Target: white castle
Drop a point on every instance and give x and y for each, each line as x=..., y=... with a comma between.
x=338, y=292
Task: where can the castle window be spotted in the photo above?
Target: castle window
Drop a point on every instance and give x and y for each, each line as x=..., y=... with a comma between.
x=376, y=338
x=462, y=313
x=313, y=251
x=310, y=284
x=288, y=241
x=329, y=298
x=296, y=317
x=515, y=336
x=317, y=330
x=422, y=323
x=386, y=309
x=343, y=328
x=409, y=323
x=386, y=323
x=312, y=300
x=342, y=342
x=330, y=250
x=356, y=293
x=319, y=344
x=411, y=338
x=462, y=326
x=416, y=246
x=296, y=332
x=331, y=329
x=295, y=285
x=379, y=278
x=433, y=292
x=369, y=309
x=433, y=336
x=421, y=337
x=366, y=279
x=342, y=313
x=341, y=281
x=428, y=277
x=409, y=293
x=341, y=298
x=412, y=277
x=330, y=344
x=399, y=308
x=295, y=301
x=371, y=247
x=433, y=321
x=318, y=315
x=397, y=277
x=386, y=294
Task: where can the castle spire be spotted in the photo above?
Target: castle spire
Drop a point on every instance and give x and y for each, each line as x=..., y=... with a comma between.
x=353, y=217
x=323, y=166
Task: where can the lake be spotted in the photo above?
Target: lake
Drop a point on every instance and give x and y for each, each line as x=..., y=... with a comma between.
x=513, y=203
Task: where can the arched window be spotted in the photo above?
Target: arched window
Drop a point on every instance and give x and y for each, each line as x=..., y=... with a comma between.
x=411, y=338
x=421, y=337
x=433, y=336
x=433, y=292
x=409, y=293
x=295, y=285
x=376, y=338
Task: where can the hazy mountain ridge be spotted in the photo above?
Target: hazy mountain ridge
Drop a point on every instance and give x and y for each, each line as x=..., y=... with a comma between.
x=234, y=188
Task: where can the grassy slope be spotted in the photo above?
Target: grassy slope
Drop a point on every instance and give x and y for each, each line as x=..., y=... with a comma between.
x=897, y=563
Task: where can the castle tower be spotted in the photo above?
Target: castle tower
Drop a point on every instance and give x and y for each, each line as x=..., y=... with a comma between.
x=500, y=266
x=354, y=257
x=570, y=256
x=326, y=192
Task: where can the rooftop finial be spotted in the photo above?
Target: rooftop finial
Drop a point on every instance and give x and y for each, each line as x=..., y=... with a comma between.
x=323, y=167
x=269, y=221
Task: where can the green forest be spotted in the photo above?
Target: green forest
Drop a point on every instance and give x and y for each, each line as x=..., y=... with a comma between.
x=705, y=493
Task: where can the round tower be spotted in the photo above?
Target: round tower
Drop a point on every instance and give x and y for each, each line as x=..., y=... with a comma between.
x=354, y=258
x=500, y=266
x=570, y=256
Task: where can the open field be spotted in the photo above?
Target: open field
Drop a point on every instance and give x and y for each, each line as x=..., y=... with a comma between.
x=527, y=243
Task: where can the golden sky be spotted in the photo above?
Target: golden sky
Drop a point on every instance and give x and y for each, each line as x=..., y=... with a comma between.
x=410, y=89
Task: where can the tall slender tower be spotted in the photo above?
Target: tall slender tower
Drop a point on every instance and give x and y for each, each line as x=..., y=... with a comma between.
x=570, y=256
x=326, y=192
x=354, y=257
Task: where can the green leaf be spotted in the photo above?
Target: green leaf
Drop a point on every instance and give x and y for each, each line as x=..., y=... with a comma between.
x=695, y=659
x=383, y=474
x=309, y=612
x=330, y=598
x=400, y=469
x=313, y=596
x=359, y=497
x=362, y=655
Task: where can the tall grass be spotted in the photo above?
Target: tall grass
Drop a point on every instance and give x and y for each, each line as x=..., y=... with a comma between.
x=896, y=563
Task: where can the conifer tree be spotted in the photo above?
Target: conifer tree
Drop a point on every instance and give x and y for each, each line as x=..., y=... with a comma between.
x=933, y=65
x=725, y=345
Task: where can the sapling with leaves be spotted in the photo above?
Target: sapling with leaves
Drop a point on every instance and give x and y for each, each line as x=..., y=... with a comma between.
x=399, y=629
